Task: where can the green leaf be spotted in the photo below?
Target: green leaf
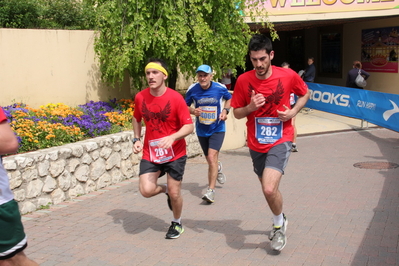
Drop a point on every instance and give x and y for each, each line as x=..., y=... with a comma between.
x=185, y=33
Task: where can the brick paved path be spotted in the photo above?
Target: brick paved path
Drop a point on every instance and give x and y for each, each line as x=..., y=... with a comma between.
x=338, y=214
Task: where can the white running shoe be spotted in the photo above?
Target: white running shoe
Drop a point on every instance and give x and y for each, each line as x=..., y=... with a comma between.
x=278, y=236
x=209, y=196
x=221, y=178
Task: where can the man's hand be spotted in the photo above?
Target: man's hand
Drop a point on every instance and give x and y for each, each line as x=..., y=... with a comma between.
x=257, y=101
x=223, y=115
x=137, y=147
x=285, y=115
x=197, y=111
x=166, y=142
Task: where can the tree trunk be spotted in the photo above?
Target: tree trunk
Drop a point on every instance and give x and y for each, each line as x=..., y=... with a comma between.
x=172, y=79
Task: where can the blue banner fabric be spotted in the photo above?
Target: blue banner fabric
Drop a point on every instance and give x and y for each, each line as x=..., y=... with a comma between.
x=375, y=107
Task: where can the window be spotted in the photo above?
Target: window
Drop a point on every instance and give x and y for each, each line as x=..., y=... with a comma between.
x=330, y=64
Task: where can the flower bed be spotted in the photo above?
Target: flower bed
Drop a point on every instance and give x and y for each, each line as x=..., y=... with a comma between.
x=58, y=124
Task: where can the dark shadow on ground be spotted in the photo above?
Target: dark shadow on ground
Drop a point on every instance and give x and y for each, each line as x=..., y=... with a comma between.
x=380, y=242
x=235, y=237
x=137, y=222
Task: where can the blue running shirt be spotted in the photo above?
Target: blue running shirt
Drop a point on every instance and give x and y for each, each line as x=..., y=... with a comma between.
x=211, y=103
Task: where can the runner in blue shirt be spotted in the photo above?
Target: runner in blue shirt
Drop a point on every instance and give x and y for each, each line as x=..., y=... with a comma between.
x=211, y=102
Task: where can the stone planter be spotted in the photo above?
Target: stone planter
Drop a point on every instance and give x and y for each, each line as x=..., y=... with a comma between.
x=53, y=175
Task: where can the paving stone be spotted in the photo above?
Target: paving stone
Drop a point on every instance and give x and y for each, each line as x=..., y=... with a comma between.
x=338, y=214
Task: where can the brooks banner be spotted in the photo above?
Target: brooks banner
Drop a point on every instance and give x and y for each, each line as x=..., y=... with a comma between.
x=375, y=107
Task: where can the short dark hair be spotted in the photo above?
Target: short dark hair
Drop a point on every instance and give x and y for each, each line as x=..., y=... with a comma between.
x=357, y=64
x=260, y=42
x=160, y=61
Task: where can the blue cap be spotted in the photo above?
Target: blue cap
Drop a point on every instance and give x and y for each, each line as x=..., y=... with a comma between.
x=204, y=68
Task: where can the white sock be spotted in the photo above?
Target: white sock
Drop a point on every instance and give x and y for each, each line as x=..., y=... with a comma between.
x=177, y=220
x=278, y=220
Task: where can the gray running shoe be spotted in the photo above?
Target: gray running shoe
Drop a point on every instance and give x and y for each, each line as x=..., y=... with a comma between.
x=294, y=148
x=209, y=196
x=221, y=178
x=278, y=236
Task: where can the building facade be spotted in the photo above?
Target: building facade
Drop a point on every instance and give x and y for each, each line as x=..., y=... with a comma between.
x=336, y=33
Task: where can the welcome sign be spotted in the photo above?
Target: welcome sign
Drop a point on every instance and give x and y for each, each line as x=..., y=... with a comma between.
x=294, y=7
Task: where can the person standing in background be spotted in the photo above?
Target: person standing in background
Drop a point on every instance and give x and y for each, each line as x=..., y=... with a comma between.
x=309, y=75
x=310, y=71
x=352, y=75
x=226, y=78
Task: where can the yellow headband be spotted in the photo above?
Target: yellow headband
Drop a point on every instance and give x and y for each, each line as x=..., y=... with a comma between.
x=156, y=66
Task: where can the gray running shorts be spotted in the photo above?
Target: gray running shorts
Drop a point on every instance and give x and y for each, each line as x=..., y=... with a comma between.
x=276, y=158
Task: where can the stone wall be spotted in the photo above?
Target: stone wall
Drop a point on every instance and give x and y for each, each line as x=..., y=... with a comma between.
x=53, y=175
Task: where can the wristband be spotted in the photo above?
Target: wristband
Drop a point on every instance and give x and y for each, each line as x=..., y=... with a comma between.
x=227, y=110
x=134, y=140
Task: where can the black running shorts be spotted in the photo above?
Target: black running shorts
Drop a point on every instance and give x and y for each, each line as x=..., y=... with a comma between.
x=175, y=168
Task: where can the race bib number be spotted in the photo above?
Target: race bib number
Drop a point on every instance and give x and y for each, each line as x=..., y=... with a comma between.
x=268, y=130
x=159, y=155
x=208, y=115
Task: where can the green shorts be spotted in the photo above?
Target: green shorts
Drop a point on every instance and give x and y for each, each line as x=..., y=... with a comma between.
x=12, y=235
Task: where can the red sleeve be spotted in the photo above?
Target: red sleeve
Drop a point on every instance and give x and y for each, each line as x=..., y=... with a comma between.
x=184, y=115
x=137, y=102
x=2, y=115
x=299, y=86
x=239, y=95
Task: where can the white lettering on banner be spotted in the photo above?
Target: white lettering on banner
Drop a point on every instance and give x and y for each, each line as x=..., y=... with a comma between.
x=387, y=114
x=331, y=98
x=367, y=105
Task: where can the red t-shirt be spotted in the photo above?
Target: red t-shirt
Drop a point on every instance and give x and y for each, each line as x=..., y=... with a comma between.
x=163, y=116
x=265, y=132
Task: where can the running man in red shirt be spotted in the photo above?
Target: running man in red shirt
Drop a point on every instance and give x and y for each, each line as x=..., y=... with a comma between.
x=167, y=121
x=262, y=96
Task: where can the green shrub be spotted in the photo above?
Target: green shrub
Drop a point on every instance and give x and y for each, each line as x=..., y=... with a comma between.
x=47, y=14
x=67, y=14
x=19, y=14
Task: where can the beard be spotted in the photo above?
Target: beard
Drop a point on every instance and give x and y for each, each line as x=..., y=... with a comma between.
x=261, y=72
